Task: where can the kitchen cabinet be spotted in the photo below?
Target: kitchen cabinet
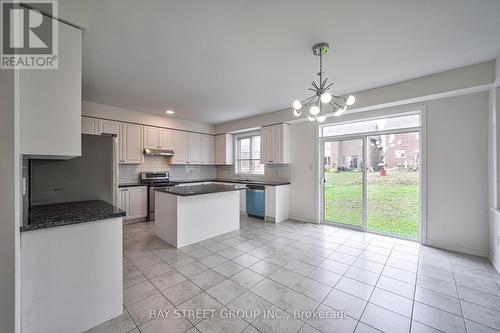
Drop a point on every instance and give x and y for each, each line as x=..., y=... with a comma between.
x=165, y=138
x=112, y=127
x=275, y=144
x=134, y=201
x=132, y=144
x=130, y=140
x=207, y=149
x=180, y=146
x=194, y=148
x=277, y=204
x=155, y=137
x=224, y=149
x=50, y=107
x=90, y=126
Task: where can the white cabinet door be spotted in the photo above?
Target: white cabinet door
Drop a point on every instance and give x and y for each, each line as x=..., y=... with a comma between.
x=122, y=199
x=194, y=148
x=90, y=126
x=275, y=144
x=224, y=149
x=113, y=127
x=51, y=101
x=151, y=137
x=137, y=202
x=165, y=138
x=266, y=145
x=132, y=144
x=207, y=149
x=180, y=146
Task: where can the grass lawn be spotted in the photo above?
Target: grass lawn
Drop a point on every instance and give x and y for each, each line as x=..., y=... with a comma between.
x=393, y=201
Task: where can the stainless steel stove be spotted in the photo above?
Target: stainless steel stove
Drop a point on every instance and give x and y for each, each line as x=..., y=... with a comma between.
x=155, y=179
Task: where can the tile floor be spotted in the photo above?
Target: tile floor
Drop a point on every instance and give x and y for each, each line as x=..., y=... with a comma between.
x=381, y=283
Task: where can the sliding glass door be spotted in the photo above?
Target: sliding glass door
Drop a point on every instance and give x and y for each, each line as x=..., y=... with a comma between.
x=343, y=181
x=371, y=181
x=393, y=173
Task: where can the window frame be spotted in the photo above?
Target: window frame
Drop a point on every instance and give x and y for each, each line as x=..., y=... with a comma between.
x=237, y=159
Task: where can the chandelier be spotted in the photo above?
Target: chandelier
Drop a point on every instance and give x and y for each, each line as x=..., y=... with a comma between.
x=322, y=102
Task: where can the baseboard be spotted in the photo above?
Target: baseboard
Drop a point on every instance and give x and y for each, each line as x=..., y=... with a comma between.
x=457, y=248
x=301, y=219
x=495, y=262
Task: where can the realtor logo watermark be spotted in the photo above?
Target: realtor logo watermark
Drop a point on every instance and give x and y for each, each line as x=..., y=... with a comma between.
x=29, y=39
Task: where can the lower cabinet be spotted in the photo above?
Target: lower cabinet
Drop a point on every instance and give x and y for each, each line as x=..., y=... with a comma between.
x=277, y=204
x=134, y=201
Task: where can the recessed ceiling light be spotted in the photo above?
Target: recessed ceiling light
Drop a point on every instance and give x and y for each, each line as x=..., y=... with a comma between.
x=169, y=112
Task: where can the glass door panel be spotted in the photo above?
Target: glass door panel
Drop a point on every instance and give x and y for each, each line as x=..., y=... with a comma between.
x=393, y=173
x=343, y=181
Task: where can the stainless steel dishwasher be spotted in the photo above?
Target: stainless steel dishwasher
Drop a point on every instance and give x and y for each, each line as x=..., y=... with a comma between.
x=256, y=201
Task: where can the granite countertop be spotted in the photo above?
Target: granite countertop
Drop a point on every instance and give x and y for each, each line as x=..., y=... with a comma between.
x=54, y=215
x=200, y=189
x=236, y=181
x=131, y=184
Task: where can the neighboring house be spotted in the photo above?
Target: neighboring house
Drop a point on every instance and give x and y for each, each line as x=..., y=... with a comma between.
x=388, y=151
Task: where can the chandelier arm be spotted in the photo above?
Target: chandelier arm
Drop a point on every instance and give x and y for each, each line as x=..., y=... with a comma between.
x=328, y=87
x=307, y=99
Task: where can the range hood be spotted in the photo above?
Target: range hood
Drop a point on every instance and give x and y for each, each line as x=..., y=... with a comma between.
x=158, y=152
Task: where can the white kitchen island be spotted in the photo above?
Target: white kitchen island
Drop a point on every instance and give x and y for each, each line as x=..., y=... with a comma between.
x=189, y=214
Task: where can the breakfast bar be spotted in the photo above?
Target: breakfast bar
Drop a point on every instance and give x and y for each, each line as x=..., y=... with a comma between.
x=189, y=214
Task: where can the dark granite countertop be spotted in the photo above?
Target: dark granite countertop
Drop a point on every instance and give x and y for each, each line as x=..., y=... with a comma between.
x=50, y=216
x=131, y=184
x=200, y=189
x=235, y=181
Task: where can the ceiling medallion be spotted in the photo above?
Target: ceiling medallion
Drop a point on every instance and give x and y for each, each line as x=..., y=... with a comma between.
x=322, y=102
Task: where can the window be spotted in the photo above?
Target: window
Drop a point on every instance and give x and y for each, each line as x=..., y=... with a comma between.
x=400, y=154
x=374, y=125
x=248, y=155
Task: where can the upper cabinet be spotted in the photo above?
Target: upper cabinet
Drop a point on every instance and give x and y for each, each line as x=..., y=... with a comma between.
x=155, y=137
x=132, y=144
x=90, y=126
x=194, y=148
x=275, y=144
x=50, y=102
x=224, y=149
x=180, y=146
x=130, y=140
x=207, y=149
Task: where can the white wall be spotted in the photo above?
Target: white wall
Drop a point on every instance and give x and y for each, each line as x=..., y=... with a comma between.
x=461, y=78
x=494, y=169
x=9, y=206
x=457, y=143
x=457, y=173
x=303, y=171
x=111, y=112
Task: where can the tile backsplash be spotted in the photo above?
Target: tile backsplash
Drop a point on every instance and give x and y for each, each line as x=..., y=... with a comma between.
x=272, y=172
x=130, y=173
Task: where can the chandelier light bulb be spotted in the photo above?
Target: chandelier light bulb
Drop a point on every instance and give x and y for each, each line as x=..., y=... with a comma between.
x=350, y=100
x=326, y=97
x=311, y=118
x=314, y=110
x=297, y=105
x=297, y=113
x=321, y=119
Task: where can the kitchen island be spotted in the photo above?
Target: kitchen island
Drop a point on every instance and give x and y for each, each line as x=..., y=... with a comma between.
x=71, y=266
x=189, y=214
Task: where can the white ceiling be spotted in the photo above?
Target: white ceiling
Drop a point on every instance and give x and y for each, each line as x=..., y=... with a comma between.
x=220, y=60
